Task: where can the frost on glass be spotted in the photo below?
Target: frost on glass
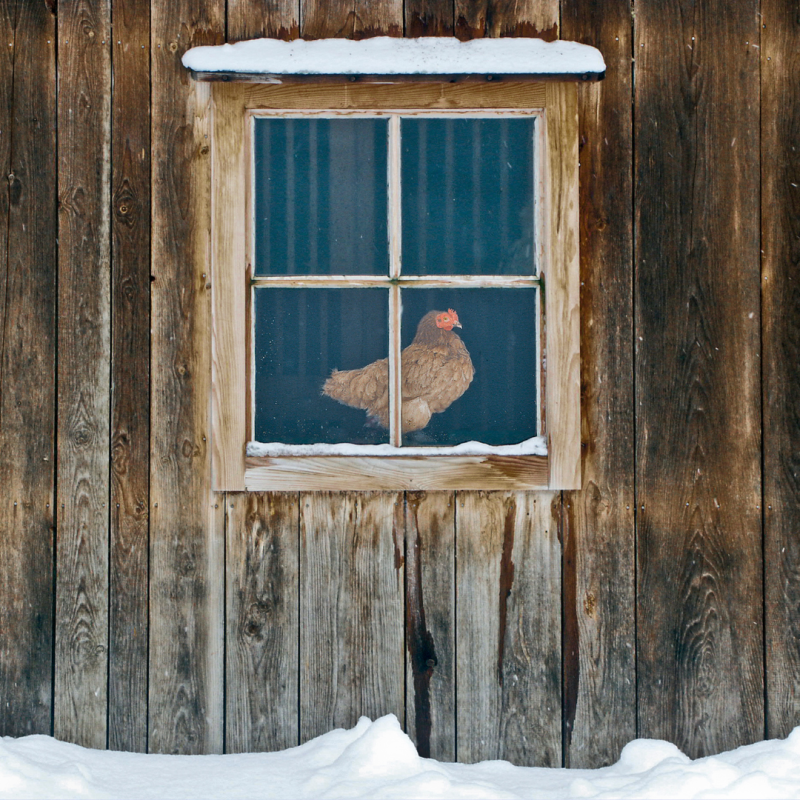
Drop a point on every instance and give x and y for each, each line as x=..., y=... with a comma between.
x=468, y=196
x=498, y=331
x=320, y=196
x=301, y=336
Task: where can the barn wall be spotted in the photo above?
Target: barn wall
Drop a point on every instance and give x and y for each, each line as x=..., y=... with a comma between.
x=140, y=611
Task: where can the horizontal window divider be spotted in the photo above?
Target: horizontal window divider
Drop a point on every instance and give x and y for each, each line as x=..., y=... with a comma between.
x=404, y=282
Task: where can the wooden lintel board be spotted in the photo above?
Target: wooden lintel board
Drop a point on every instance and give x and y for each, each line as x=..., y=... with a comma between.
x=261, y=77
x=230, y=276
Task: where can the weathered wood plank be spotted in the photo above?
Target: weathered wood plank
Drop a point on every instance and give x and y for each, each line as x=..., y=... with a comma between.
x=84, y=357
x=780, y=243
x=351, y=19
x=431, y=623
x=351, y=609
x=699, y=648
x=429, y=18
x=325, y=473
x=508, y=631
x=562, y=292
x=479, y=18
x=130, y=377
x=28, y=230
x=229, y=276
x=262, y=628
x=426, y=95
x=253, y=19
x=186, y=533
x=598, y=536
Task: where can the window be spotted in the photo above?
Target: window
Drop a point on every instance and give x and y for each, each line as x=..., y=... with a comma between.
x=342, y=216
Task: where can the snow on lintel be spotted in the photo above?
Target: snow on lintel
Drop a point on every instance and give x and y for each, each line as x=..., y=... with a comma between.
x=274, y=60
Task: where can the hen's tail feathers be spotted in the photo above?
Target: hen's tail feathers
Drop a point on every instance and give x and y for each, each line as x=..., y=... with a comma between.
x=365, y=388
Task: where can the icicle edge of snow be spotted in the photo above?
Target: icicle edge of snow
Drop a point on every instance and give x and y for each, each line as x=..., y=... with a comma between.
x=537, y=446
x=385, y=55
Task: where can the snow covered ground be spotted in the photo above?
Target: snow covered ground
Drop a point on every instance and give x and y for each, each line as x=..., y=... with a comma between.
x=377, y=760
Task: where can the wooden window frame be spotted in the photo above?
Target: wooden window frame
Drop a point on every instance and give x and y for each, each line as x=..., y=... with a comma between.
x=232, y=105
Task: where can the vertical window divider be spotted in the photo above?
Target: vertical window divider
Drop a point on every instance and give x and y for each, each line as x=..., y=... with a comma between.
x=395, y=305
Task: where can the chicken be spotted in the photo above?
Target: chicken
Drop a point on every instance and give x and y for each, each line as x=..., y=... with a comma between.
x=436, y=370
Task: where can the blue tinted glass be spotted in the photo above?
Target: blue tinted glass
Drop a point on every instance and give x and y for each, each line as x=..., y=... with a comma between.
x=499, y=333
x=468, y=191
x=301, y=335
x=320, y=196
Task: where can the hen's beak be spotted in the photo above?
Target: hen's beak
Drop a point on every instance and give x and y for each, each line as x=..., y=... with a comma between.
x=456, y=324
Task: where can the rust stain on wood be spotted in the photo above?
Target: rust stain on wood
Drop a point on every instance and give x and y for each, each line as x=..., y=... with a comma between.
x=421, y=649
x=506, y=581
x=569, y=622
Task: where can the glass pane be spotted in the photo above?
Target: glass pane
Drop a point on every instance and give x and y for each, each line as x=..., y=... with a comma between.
x=468, y=196
x=320, y=196
x=498, y=330
x=301, y=335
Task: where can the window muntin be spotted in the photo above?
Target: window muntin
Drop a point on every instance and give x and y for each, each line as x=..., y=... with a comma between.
x=456, y=248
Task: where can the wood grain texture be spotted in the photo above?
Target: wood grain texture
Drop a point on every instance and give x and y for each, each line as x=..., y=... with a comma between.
x=351, y=19
x=327, y=473
x=130, y=377
x=700, y=675
x=780, y=244
x=84, y=357
x=429, y=18
x=424, y=95
x=229, y=294
x=599, y=565
x=28, y=230
x=351, y=609
x=253, y=19
x=186, y=525
x=508, y=630
x=562, y=288
x=475, y=19
x=431, y=623
x=262, y=629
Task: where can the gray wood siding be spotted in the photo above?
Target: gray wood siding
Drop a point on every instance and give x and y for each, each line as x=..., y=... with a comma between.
x=141, y=611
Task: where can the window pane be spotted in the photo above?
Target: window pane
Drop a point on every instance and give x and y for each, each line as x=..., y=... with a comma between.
x=468, y=196
x=499, y=331
x=320, y=196
x=301, y=335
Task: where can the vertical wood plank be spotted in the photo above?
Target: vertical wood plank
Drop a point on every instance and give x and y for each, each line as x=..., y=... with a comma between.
x=431, y=623
x=262, y=628
x=351, y=19
x=562, y=292
x=508, y=627
x=84, y=357
x=351, y=609
x=475, y=19
x=130, y=377
x=229, y=289
x=780, y=244
x=186, y=527
x=253, y=19
x=700, y=675
x=599, y=564
x=28, y=230
x=429, y=18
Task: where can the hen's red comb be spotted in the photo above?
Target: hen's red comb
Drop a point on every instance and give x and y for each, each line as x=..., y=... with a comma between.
x=453, y=314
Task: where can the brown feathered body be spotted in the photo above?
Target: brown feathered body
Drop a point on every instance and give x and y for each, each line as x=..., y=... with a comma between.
x=436, y=370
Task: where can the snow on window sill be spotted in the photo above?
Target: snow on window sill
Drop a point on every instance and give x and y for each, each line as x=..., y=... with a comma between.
x=537, y=446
